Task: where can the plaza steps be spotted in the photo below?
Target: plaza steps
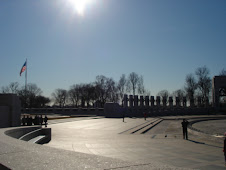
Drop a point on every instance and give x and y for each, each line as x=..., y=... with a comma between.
x=143, y=128
x=34, y=134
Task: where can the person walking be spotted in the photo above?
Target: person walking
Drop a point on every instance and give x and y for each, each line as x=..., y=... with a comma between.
x=224, y=150
x=45, y=120
x=145, y=115
x=185, y=128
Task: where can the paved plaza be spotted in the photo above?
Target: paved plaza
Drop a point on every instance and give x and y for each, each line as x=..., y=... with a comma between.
x=157, y=142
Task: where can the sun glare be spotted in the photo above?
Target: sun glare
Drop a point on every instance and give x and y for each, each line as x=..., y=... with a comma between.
x=80, y=5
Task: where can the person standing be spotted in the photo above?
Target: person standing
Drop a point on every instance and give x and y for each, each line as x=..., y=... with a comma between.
x=24, y=121
x=45, y=120
x=145, y=115
x=185, y=128
x=41, y=120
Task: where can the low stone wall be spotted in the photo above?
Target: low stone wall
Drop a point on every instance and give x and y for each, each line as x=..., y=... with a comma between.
x=65, y=111
x=28, y=133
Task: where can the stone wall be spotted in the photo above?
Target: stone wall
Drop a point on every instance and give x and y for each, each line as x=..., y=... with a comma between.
x=10, y=110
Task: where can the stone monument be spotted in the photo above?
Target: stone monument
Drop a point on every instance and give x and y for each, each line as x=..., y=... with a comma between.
x=10, y=110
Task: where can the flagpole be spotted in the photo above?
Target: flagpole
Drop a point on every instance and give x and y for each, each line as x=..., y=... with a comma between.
x=26, y=77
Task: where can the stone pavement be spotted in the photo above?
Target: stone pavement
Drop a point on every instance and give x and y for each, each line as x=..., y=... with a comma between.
x=22, y=155
x=150, y=144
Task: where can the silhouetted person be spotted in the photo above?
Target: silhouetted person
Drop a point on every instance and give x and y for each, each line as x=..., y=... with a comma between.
x=45, y=120
x=145, y=115
x=24, y=121
x=185, y=128
x=123, y=117
x=27, y=121
x=41, y=120
x=225, y=147
x=36, y=120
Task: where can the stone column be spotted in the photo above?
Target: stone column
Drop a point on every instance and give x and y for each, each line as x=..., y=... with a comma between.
x=136, y=101
x=125, y=100
x=164, y=100
x=206, y=102
x=10, y=110
x=177, y=101
x=146, y=101
x=184, y=102
x=142, y=101
x=158, y=100
x=192, y=102
x=130, y=100
x=199, y=101
x=171, y=101
x=152, y=101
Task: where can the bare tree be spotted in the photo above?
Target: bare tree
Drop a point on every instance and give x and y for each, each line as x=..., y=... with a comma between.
x=74, y=95
x=163, y=93
x=5, y=89
x=60, y=97
x=11, y=88
x=14, y=87
x=135, y=83
x=179, y=93
x=190, y=86
x=204, y=82
x=122, y=85
x=105, y=89
x=88, y=93
x=28, y=96
x=140, y=85
x=222, y=73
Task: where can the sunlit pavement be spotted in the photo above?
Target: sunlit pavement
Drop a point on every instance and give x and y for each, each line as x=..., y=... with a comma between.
x=162, y=144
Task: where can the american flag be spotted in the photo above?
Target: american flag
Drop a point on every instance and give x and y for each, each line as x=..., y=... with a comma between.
x=23, y=68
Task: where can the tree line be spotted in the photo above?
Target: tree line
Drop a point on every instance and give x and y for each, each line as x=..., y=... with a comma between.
x=105, y=89
x=197, y=85
x=102, y=90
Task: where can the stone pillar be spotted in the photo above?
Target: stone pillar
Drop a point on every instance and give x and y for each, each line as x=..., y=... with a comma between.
x=164, y=100
x=192, y=102
x=152, y=101
x=146, y=101
x=125, y=100
x=177, y=102
x=158, y=100
x=171, y=101
x=10, y=110
x=142, y=101
x=130, y=100
x=207, y=102
x=136, y=101
x=199, y=101
x=184, y=102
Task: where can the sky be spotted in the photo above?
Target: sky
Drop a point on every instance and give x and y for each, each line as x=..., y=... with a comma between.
x=66, y=44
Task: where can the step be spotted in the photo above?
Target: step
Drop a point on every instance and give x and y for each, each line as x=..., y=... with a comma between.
x=147, y=127
x=129, y=131
x=36, y=139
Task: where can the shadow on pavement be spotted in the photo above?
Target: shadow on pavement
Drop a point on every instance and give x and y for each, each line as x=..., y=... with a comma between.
x=203, y=143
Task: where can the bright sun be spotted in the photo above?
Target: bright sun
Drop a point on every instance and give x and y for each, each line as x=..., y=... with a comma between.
x=79, y=5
